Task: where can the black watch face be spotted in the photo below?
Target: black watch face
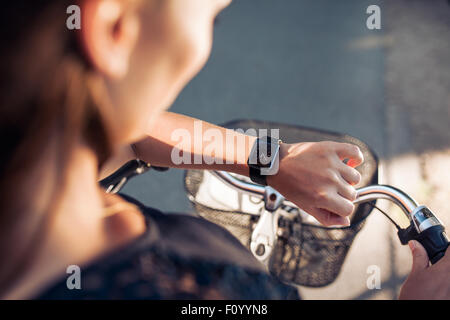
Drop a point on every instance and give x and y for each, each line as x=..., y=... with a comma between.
x=266, y=151
x=263, y=152
x=264, y=159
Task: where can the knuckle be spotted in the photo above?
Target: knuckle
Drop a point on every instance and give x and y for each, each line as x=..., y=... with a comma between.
x=325, y=147
x=330, y=158
x=347, y=209
x=322, y=150
x=322, y=196
x=335, y=180
x=319, y=144
x=317, y=197
x=323, y=199
x=350, y=174
x=356, y=176
x=331, y=176
x=325, y=144
x=352, y=194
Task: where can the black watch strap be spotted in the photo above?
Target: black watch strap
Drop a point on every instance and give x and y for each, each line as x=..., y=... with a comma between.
x=256, y=176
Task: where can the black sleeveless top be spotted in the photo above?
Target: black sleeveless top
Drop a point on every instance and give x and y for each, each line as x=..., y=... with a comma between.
x=178, y=257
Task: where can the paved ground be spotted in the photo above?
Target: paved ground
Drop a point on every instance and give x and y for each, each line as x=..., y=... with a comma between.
x=417, y=159
x=315, y=63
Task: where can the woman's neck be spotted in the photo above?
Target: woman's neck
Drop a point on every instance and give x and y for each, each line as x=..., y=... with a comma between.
x=76, y=232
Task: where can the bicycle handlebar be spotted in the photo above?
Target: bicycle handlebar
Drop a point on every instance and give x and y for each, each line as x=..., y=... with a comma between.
x=364, y=194
x=424, y=227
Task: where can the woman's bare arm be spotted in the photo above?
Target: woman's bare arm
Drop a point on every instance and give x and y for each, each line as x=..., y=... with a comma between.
x=209, y=146
x=163, y=142
x=311, y=174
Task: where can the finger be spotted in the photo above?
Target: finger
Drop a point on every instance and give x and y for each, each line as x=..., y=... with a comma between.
x=420, y=257
x=349, y=174
x=347, y=191
x=338, y=205
x=350, y=151
x=328, y=218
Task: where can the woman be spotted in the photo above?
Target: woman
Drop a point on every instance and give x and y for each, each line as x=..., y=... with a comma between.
x=77, y=103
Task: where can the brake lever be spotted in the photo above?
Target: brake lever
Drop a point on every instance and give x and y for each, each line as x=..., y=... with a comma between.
x=426, y=228
x=264, y=234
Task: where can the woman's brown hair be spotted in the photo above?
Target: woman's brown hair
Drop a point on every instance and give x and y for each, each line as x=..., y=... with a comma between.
x=49, y=94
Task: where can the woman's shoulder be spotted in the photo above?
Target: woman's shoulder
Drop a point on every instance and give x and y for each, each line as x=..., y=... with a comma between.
x=179, y=257
x=193, y=236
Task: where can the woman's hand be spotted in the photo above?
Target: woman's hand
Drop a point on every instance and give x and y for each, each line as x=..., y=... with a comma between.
x=313, y=176
x=425, y=281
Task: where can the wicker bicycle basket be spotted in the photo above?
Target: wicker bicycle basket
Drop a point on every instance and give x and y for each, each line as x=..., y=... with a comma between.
x=305, y=253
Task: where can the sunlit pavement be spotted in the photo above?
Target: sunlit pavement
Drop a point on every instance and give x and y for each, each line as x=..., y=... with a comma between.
x=315, y=63
x=418, y=149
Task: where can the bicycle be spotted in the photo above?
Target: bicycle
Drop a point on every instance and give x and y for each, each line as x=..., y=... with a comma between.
x=288, y=241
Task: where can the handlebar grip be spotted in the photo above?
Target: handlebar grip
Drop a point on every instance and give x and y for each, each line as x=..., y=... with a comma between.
x=118, y=179
x=435, y=242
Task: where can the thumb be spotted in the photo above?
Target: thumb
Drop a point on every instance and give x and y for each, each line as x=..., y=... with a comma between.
x=420, y=256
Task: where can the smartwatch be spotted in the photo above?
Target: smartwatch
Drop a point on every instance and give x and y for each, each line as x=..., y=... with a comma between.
x=264, y=159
